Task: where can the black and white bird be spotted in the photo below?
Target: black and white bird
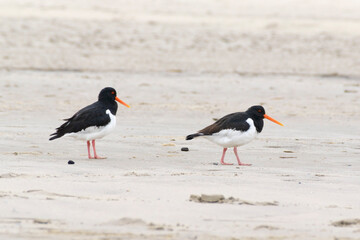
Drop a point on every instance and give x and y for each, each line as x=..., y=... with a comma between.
x=235, y=129
x=92, y=122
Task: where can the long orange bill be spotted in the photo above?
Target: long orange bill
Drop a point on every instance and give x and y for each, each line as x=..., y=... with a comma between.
x=120, y=101
x=273, y=120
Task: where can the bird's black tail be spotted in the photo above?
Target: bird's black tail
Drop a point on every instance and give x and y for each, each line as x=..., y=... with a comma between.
x=55, y=136
x=191, y=136
x=62, y=130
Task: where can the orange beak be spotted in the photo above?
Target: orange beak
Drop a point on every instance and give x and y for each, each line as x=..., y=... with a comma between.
x=120, y=101
x=273, y=120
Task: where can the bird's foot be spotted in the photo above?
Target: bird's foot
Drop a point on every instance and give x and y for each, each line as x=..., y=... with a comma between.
x=245, y=164
x=224, y=163
x=96, y=157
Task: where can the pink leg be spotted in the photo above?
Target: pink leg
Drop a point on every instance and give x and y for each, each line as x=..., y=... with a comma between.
x=88, y=146
x=238, y=159
x=95, y=155
x=222, y=158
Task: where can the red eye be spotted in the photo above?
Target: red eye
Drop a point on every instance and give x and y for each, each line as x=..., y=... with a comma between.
x=259, y=110
x=112, y=92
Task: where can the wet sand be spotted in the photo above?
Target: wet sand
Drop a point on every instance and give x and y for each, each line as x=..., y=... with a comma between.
x=179, y=66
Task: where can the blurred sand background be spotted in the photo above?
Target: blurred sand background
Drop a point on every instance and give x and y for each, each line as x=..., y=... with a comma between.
x=179, y=64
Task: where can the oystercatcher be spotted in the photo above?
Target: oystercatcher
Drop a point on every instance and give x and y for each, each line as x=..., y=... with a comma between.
x=92, y=122
x=235, y=129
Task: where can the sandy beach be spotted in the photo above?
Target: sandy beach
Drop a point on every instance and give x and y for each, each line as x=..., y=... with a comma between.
x=180, y=65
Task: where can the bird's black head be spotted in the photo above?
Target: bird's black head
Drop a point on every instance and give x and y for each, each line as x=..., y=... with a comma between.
x=108, y=94
x=256, y=111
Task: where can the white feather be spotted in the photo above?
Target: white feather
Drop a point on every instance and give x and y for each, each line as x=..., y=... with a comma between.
x=233, y=138
x=92, y=133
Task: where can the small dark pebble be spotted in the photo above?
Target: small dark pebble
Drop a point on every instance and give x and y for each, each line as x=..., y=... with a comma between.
x=71, y=162
x=185, y=149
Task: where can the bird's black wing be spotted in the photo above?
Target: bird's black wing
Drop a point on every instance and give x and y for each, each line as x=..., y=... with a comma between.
x=90, y=116
x=235, y=121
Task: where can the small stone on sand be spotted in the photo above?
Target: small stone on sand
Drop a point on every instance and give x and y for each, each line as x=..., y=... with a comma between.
x=207, y=198
x=346, y=222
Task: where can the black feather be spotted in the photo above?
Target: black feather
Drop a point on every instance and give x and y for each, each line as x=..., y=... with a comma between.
x=90, y=116
x=192, y=136
x=235, y=121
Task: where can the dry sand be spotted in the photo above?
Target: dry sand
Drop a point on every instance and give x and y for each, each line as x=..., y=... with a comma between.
x=179, y=64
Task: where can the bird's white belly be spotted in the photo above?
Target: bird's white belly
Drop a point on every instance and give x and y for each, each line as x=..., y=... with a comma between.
x=234, y=138
x=92, y=133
